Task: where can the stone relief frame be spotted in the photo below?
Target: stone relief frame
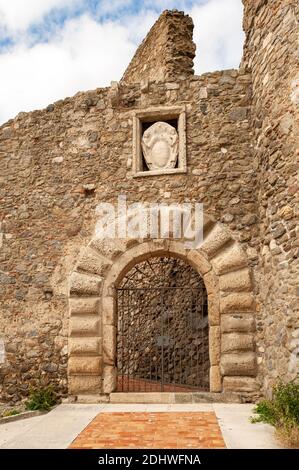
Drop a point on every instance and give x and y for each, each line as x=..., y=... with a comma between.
x=153, y=115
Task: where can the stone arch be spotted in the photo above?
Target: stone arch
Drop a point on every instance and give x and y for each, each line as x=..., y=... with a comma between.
x=221, y=262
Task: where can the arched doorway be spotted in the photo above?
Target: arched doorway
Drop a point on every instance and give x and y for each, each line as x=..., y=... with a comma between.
x=162, y=328
x=99, y=271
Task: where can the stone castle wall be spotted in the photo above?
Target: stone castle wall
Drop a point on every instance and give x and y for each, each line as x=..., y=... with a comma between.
x=59, y=163
x=271, y=52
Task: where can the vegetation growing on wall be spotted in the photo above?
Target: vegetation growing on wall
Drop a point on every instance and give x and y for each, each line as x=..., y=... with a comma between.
x=42, y=399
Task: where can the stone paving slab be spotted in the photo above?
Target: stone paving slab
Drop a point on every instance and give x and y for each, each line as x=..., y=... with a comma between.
x=130, y=407
x=11, y=433
x=151, y=430
x=173, y=397
x=239, y=432
x=54, y=430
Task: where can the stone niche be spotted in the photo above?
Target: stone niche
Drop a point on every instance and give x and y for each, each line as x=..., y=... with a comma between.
x=159, y=141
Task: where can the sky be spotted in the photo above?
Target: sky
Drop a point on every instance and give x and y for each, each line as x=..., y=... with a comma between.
x=51, y=49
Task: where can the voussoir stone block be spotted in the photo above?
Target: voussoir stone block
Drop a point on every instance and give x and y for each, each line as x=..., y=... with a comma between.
x=211, y=283
x=238, y=364
x=231, y=342
x=214, y=345
x=84, y=306
x=236, y=301
x=214, y=240
x=84, y=365
x=80, y=326
x=84, y=284
x=109, y=379
x=108, y=310
x=84, y=346
x=215, y=379
x=84, y=384
x=109, y=248
x=91, y=262
x=109, y=344
x=157, y=244
x=200, y=263
x=239, y=280
x=240, y=384
x=170, y=246
x=229, y=259
x=237, y=322
x=213, y=310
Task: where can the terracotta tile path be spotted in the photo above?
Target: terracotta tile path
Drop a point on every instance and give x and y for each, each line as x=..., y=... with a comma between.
x=129, y=384
x=151, y=430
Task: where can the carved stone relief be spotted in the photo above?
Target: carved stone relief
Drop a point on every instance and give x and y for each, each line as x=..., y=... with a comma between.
x=160, y=145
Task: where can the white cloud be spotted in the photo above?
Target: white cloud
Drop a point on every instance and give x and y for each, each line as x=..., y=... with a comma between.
x=110, y=6
x=218, y=35
x=168, y=4
x=86, y=54
x=139, y=25
x=19, y=14
x=81, y=57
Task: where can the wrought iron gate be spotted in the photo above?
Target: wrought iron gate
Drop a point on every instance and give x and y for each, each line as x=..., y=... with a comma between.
x=162, y=341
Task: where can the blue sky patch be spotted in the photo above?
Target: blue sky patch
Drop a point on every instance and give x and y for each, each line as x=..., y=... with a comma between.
x=50, y=49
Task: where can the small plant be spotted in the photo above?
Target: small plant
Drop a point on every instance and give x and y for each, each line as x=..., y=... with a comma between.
x=282, y=412
x=41, y=399
x=8, y=413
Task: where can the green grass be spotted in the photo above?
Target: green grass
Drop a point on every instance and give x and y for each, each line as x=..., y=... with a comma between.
x=8, y=413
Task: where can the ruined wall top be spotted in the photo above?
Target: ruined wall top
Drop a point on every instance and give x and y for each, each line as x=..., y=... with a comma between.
x=166, y=53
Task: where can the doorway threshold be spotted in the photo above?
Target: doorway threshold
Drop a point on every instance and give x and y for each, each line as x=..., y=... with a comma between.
x=170, y=398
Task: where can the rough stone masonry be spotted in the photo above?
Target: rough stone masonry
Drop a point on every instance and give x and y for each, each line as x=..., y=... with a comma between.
x=238, y=155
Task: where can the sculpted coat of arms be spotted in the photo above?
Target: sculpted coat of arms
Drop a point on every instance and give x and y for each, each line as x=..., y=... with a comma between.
x=160, y=145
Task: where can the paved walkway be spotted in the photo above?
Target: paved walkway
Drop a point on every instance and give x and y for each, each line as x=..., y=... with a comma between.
x=152, y=430
x=84, y=426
